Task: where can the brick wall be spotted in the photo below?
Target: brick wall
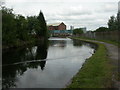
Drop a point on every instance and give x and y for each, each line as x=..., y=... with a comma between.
x=51, y=28
x=62, y=26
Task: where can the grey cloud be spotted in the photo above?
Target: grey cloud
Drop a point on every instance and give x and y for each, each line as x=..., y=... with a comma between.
x=90, y=14
x=107, y=7
x=76, y=13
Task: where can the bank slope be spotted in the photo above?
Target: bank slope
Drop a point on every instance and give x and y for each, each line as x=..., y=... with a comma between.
x=95, y=73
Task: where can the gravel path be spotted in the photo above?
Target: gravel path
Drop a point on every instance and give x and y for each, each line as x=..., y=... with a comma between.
x=113, y=53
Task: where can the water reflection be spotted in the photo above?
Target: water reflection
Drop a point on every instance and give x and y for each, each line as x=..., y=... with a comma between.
x=64, y=58
x=77, y=43
x=58, y=43
x=81, y=43
x=11, y=70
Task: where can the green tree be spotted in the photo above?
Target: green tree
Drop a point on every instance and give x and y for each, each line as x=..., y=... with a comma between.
x=78, y=31
x=113, y=23
x=43, y=27
x=21, y=25
x=33, y=24
x=17, y=30
x=14, y=28
x=8, y=27
x=118, y=20
x=101, y=29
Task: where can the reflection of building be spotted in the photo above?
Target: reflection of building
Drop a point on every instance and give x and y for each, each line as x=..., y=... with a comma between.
x=58, y=43
x=57, y=26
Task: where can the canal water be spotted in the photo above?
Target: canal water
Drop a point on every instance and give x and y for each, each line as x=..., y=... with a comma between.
x=44, y=66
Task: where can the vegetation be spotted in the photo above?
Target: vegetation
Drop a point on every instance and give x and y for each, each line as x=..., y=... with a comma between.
x=101, y=29
x=107, y=41
x=118, y=18
x=110, y=34
x=97, y=70
x=95, y=73
x=77, y=31
x=19, y=30
x=43, y=27
x=113, y=23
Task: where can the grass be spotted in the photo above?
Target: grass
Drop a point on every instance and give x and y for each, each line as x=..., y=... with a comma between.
x=107, y=41
x=95, y=73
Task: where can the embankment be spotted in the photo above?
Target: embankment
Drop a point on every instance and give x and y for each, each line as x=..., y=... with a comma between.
x=95, y=72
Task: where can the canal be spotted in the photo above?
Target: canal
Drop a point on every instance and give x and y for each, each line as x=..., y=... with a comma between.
x=44, y=66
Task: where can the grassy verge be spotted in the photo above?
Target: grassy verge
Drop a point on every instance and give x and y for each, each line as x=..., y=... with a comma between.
x=107, y=41
x=95, y=73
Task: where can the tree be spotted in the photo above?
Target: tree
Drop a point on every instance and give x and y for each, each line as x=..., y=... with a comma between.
x=113, y=23
x=118, y=19
x=78, y=31
x=21, y=25
x=43, y=27
x=17, y=30
x=33, y=24
x=101, y=29
x=8, y=26
x=14, y=28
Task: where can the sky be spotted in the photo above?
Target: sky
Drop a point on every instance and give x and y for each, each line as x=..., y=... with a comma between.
x=78, y=13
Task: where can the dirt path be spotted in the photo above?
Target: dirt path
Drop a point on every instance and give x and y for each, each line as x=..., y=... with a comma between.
x=113, y=53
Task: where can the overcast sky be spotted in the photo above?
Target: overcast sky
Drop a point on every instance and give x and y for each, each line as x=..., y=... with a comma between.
x=79, y=13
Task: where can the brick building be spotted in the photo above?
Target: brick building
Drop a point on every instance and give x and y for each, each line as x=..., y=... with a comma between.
x=57, y=26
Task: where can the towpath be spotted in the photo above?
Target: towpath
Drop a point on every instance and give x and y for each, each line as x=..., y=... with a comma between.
x=113, y=54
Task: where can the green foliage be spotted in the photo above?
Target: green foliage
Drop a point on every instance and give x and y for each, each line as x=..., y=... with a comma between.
x=8, y=26
x=77, y=31
x=96, y=72
x=101, y=29
x=43, y=27
x=118, y=19
x=17, y=29
x=33, y=24
x=21, y=25
x=113, y=23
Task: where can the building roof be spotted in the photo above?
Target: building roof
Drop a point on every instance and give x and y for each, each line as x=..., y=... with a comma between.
x=54, y=24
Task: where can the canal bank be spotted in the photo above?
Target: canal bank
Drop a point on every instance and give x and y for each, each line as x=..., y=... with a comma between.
x=97, y=71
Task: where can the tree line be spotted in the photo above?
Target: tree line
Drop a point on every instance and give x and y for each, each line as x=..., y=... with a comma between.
x=113, y=24
x=77, y=31
x=17, y=29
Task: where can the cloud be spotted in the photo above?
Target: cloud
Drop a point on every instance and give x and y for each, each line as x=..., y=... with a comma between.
x=76, y=11
x=80, y=13
x=107, y=7
x=62, y=0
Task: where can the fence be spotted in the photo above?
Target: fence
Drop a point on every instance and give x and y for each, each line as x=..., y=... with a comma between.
x=107, y=35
